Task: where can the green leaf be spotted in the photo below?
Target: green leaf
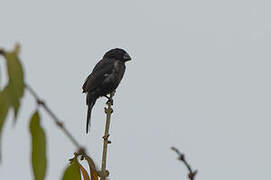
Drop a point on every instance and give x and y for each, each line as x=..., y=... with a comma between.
x=0, y=77
x=16, y=78
x=11, y=94
x=4, y=106
x=39, y=160
x=72, y=172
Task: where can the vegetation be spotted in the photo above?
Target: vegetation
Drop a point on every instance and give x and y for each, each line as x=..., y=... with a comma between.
x=10, y=100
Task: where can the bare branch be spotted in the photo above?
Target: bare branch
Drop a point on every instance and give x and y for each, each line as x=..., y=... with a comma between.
x=108, y=111
x=55, y=118
x=191, y=174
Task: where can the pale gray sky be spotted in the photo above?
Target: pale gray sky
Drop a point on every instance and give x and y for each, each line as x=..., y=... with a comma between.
x=199, y=80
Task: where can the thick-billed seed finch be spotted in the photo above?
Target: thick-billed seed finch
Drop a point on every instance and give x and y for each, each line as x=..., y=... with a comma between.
x=104, y=78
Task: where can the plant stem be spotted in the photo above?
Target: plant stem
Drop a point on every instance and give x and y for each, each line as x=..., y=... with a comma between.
x=108, y=111
x=191, y=174
x=54, y=117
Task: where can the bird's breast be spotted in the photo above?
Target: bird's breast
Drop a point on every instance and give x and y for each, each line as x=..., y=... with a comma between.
x=116, y=75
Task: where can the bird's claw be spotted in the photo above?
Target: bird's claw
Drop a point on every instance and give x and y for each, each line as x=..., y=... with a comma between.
x=109, y=101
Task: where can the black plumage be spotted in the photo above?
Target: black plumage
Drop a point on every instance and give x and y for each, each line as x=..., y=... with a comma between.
x=105, y=77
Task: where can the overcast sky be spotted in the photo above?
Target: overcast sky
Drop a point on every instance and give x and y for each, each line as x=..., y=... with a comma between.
x=199, y=80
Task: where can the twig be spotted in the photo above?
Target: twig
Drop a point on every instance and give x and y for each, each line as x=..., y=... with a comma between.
x=191, y=174
x=54, y=117
x=108, y=111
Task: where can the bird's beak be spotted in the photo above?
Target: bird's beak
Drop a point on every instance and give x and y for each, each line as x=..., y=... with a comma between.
x=126, y=57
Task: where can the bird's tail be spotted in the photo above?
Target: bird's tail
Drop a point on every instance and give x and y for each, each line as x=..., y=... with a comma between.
x=91, y=99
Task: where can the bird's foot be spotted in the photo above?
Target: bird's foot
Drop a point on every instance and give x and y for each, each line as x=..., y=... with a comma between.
x=110, y=100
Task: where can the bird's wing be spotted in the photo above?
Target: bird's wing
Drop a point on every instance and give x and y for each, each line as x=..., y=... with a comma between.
x=101, y=64
x=98, y=74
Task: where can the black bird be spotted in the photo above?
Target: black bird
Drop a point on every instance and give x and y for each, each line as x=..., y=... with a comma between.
x=105, y=77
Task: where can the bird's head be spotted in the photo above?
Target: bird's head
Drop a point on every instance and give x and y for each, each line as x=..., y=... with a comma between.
x=118, y=54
